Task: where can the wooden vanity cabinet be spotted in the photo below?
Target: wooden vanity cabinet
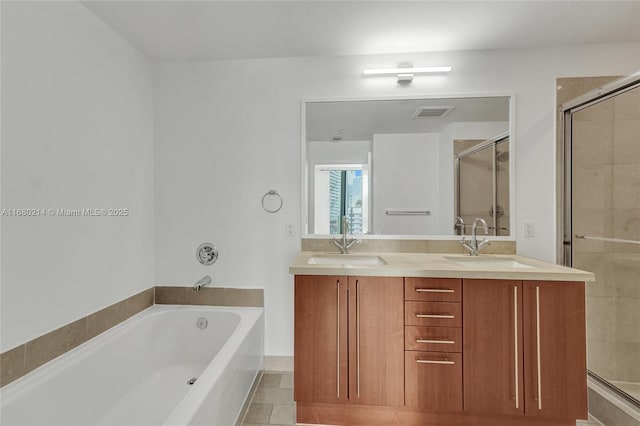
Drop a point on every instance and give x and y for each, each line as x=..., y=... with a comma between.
x=349, y=337
x=432, y=351
x=433, y=344
x=524, y=348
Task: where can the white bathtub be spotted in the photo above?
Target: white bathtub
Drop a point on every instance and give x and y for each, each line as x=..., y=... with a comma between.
x=136, y=373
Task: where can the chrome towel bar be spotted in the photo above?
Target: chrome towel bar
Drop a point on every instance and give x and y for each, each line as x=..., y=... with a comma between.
x=393, y=212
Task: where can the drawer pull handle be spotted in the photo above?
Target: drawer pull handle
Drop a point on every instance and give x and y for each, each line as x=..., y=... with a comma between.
x=442, y=342
x=445, y=316
x=433, y=361
x=435, y=290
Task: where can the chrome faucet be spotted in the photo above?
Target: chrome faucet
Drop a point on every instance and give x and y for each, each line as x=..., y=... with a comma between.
x=458, y=223
x=202, y=282
x=344, y=243
x=473, y=246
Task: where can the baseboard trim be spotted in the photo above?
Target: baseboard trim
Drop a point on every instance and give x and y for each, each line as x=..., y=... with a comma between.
x=369, y=415
x=278, y=363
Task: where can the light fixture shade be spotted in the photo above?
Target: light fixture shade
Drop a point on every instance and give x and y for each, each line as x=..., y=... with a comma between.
x=406, y=70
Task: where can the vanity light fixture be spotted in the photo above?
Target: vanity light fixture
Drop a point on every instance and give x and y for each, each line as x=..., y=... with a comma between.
x=405, y=74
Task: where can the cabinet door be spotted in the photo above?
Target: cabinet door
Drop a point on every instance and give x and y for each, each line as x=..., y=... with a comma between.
x=376, y=339
x=433, y=380
x=492, y=346
x=320, y=348
x=555, y=350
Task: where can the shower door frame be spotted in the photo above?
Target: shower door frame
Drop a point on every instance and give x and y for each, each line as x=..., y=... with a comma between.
x=567, y=110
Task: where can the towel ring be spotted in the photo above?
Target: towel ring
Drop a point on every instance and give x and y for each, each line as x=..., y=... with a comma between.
x=272, y=192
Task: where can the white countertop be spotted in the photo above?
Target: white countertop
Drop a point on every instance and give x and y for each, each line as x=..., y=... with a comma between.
x=441, y=265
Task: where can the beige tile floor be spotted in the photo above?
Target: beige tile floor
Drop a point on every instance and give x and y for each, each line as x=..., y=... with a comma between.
x=272, y=403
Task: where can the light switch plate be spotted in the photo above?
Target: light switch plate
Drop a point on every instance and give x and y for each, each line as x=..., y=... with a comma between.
x=289, y=229
x=529, y=229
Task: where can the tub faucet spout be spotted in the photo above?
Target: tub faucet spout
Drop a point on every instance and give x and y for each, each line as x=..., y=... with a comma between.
x=202, y=282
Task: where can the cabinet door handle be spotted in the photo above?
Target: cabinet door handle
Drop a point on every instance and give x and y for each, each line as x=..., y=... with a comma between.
x=435, y=290
x=538, y=348
x=446, y=316
x=433, y=361
x=442, y=342
x=338, y=340
x=515, y=344
x=358, y=337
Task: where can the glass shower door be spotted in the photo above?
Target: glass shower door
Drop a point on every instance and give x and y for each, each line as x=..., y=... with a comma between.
x=604, y=231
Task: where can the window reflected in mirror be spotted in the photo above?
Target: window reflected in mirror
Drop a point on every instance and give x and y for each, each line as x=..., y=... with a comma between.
x=341, y=190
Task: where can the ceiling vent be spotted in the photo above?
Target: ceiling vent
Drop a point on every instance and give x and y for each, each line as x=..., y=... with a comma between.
x=432, y=112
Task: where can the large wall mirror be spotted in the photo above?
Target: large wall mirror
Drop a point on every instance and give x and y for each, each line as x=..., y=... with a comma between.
x=407, y=167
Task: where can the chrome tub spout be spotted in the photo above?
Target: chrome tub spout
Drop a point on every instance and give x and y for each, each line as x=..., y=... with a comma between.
x=202, y=282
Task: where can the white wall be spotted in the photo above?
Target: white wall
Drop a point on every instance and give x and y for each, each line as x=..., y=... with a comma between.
x=228, y=131
x=406, y=171
x=77, y=132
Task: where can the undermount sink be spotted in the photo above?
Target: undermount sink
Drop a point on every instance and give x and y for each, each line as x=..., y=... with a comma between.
x=493, y=262
x=346, y=259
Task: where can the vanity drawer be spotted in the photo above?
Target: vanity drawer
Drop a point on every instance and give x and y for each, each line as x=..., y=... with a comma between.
x=439, y=314
x=433, y=289
x=433, y=381
x=436, y=339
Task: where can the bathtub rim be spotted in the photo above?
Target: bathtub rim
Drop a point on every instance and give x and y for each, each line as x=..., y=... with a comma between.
x=40, y=374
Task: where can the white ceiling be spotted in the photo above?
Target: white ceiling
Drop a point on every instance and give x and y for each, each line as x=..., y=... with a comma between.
x=359, y=120
x=201, y=30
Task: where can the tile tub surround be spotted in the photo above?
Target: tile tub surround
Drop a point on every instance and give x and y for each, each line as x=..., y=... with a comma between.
x=213, y=296
x=22, y=359
x=408, y=246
